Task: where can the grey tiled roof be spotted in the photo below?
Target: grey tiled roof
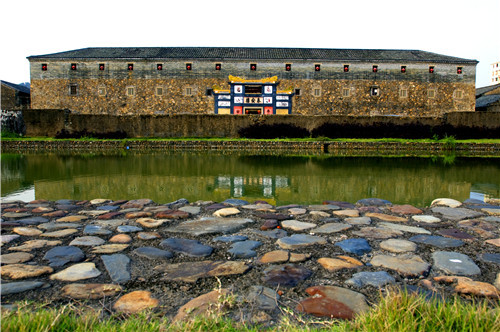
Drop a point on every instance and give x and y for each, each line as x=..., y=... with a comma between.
x=485, y=89
x=258, y=53
x=18, y=87
x=487, y=100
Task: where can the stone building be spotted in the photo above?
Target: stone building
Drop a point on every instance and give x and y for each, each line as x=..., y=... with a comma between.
x=488, y=98
x=175, y=80
x=14, y=96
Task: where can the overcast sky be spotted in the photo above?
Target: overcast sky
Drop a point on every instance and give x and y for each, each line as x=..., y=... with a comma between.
x=466, y=29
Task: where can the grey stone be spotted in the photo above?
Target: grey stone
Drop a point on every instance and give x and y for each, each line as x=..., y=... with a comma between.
x=375, y=279
x=77, y=272
x=358, y=221
x=14, y=215
x=244, y=249
x=118, y=267
x=153, y=253
x=404, y=228
x=231, y=238
x=373, y=202
x=288, y=275
x=19, y=287
x=15, y=258
x=53, y=226
x=192, y=271
x=331, y=228
x=398, y=245
x=107, y=208
x=128, y=229
x=437, y=241
x=210, y=225
x=407, y=265
x=296, y=225
x=96, y=230
x=326, y=207
x=490, y=258
x=32, y=221
x=455, y=263
x=235, y=202
x=272, y=234
x=187, y=247
x=9, y=238
x=456, y=214
x=194, y=210
x=89, y=241
x=263, y=298
x=297, y=241
x=59, y=256
x=355, y=246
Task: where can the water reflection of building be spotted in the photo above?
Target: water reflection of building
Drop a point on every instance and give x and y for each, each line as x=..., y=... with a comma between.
x=253, y=186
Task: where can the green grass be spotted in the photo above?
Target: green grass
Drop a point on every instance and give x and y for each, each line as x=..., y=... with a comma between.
x=396, y=311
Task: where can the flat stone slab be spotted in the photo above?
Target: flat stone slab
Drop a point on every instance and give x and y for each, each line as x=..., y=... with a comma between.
x=32, y=221
x=59, y=256
x=244, y=249
x=456, y=214
x=347, y=213
x=15, y=258
x=455, y=234
x=27, y=231
x=230, y=238
x=153, y=253
x=452, y=203
x=287, y=275
x=187, y=247
x=192, y=271
x=7, y=288
x=90, y=291
x=355, y=246
x=398, y=245
x=109, y=248
x=426, y=219
x=263, y=298
x=334, y=302
x=377, y=233
x=331, y=228
x=373, y=202
x=490, y=258
x=297, y=241
x=359, y=221
x=225, y=212
x=339, y=262
x=118, y=267
x=53, y=226
x=35, y=244
x=235, y=202
x=375, y=279
x=410, y=266
x=135, y=302
x=22, y=271
x=404, y=228
x=76, y=272
x=60, y=233
x=404, y=209
x=201, y=306
x=468, y=286
x=128, y=229
x=455, y=263
x=87, y=241
x=9, y=238
x=193, y=210
x=296, y=225
x=437, y=241
x=96, y=230
x=386, y=217
x=74, y=219
x=210, y=225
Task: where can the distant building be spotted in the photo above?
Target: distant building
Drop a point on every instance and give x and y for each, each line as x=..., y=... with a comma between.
x=495, y=72
x=488, y=98
x=272, y=81
x=14, y=96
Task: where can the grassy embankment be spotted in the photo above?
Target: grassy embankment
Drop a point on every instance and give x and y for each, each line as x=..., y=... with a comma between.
x=396, y=312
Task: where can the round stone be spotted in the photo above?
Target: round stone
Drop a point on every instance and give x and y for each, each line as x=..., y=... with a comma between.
x=120, y=238
x=397, y=245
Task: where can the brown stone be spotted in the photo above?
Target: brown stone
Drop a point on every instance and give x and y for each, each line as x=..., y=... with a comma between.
x=150, y=222
x=482, y=228
x=466, y=285
x=272, y=257
x=325, y=307
x=386, y=217
x=27, y=231
x=495, y=242
x=407, y=265
x=35, y=244
x=109, y=248
x=203, y=305
x=90, y=291
x=172, y=214
x=404, y=209
x=109, y=215
x=60, y=233
x=42, y=209
x=341, y=262
x=347, y=213
x=377, y=233
x=297, y=258
x=15, y=210
x=148, y=235
x=269, y=224
x=55, y=214
x=135, y=302
x=72, y=219
x=21, y=271
x=121, y=238
x=139, y=214
x=15, y=258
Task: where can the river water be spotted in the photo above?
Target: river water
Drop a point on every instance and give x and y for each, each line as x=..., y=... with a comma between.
x=278, y=179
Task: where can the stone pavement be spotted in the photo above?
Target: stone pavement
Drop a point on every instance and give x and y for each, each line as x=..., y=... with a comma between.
x=326, y=260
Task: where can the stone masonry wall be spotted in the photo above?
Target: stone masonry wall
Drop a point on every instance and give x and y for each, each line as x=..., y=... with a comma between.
x=105, y=92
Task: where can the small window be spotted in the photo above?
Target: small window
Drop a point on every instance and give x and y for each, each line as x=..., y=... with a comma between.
x=374, y=91
x=317, y=67
x=458, y=94
x=130, y=91
x=374, y=68
x=188, y=91
x=44, y=67
x=346, y=92
x=297, y=92
x=73, y=89
x=288, y=67
x=159, y=66
x=431, y=93
x=403, y=93
x=208, y=92
x=101, y=91
x=431, y=69
x=253, y=66
x=159, y=91
x=73, y=66
x=218, y=66
x=130, y=66
x=189, y=66
x=403, y=69
x=101, y=66
x=459, y=70
x=346, y=68
x=317, y=92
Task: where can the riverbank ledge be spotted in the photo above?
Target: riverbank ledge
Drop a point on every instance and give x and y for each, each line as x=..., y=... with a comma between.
x=329, y=260
x=338, y=147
